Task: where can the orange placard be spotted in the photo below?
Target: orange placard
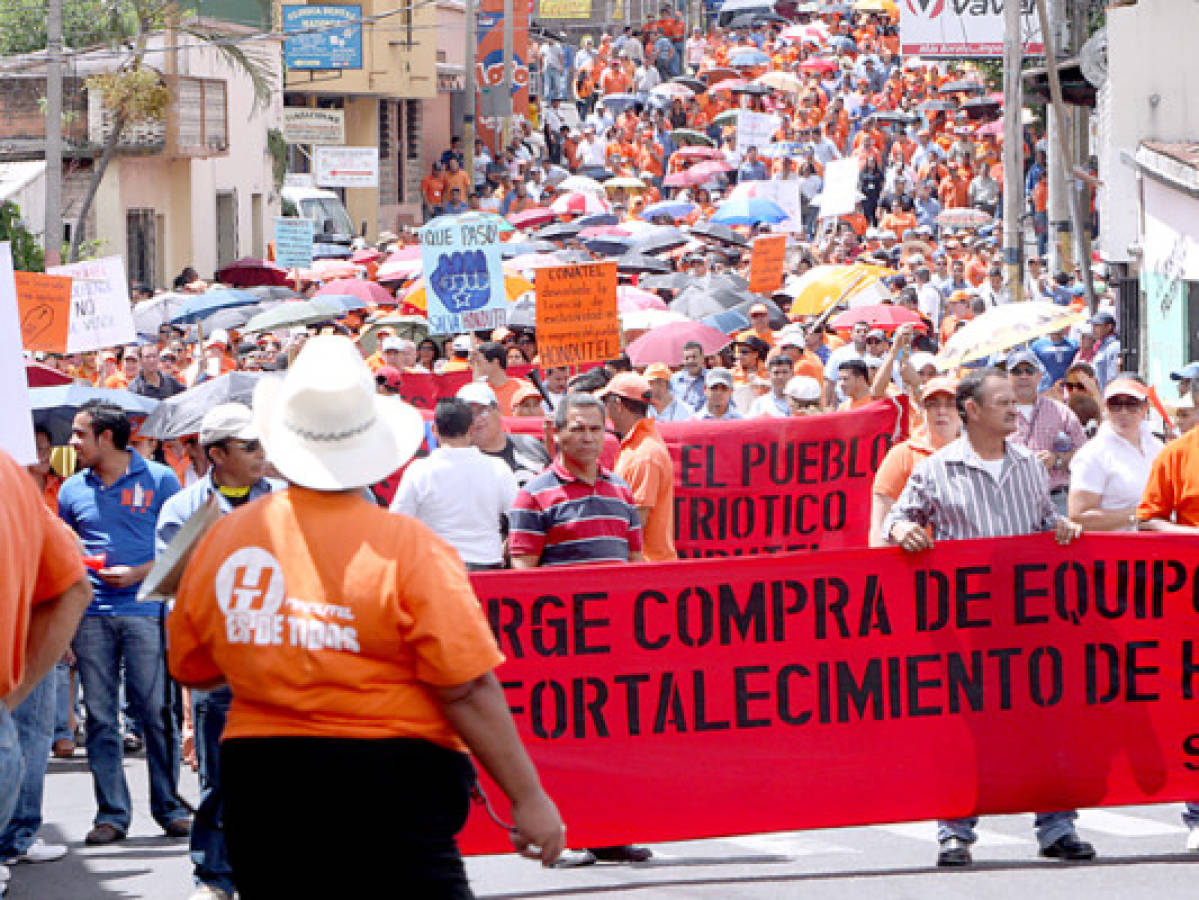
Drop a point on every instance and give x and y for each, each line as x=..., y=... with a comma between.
x=577, y=319
x=44, y=302
x=766, y=261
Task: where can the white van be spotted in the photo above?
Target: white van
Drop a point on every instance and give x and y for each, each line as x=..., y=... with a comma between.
x=331, y=220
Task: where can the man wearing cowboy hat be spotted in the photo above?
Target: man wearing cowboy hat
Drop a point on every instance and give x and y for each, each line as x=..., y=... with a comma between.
x=358, y=656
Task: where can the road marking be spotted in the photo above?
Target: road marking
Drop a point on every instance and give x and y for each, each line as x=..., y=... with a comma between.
x=1125, y=825
x=927, y=831
x=789, y=843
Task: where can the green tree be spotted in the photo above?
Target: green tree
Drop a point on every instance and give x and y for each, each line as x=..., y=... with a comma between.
x=27, y=255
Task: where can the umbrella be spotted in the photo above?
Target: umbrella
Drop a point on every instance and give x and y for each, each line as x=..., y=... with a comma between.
x=982, y=108
x=936, y=106
x=645, y=319
x=749, y=211
x=150, y=315
x=727, y=118
x=322, y=250
x=55, y=407
x=580, y=203
x=895, y=116
x=532, y=261
x=630, y=298
x=347, y=302
x=672, y=89
x=619, y=102
x=297, y=312
x=582, y=183
x=510, y=249
x=709, y=169
x=274, y=292
x=533, y=218
x=606, y=230
x=672, y=281
x=40, y=375
x=559, y=231
x=633, y=262
x=962, y=87
x=822, y=286
x=665, y=344
x=226, y=319
x=729, y=84
x=366, y=256
x=368, y=292
x=697, y=304
x=698, y=152
x=659, y=240
x=399, y=270
x=719, y=232
x=992, y=128
x=687, y=137
x=717, y=74
x=201, y=306
x=326, y=269
x=414, y=328
x=963, y=217
x=608, y=244
x=252, y=272
x=775, y=314
x=878, y=315
x=675, y=209
x=818, y=64
x=753, y=89
x=181, y=415
x=730, y=321
x=598, y=220
x=1003, y=327
x=877, y=6
x=523, y=311
x=695, y=84
x=627, y=182
x=781, y=81
x=747, y=58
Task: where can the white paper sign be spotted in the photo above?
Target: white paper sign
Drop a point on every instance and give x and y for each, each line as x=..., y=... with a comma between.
x=16, y=425
x=101, y=314
x=787, y=195
x=840, y=193
x=755, y=129
x=348, y=167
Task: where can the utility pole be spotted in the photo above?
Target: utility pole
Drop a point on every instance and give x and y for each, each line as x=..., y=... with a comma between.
x=470, y=90
x=52, y=227
x=1013, y=144
x=1063, y=137
x=506, y=130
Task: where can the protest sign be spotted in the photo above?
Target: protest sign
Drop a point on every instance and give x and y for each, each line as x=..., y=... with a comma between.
x=754, y=129
x=464, y=276
x=840, y=194
x=100, y=312
x=577, y=319
x=293, y=242
x=852, y=687
x=786, y=194
x=16, y=425
x=44, y=302
x=766, y=261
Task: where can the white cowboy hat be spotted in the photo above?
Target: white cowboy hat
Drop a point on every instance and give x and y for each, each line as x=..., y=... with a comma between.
x=324, y=427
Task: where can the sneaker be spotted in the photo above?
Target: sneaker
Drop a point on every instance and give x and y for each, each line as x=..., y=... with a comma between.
x=1193, y=840
x=209, y=892
x=1069, y=847
x=178, y=828
x=132, y=743
x=39, y=851
x=572, y=859
x=954, y=853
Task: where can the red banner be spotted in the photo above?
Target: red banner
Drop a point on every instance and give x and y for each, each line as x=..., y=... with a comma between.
x=698, y=699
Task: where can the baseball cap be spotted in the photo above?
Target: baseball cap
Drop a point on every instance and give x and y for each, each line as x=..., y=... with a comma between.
x=802, y=387
x=1016, y=357
x=629, y=385
x=942, y=384
x=462, y=344
x=755, y=343
x=477, y=392
x=1102, y=318
x=719, y=375
x=390, y=376
x=1190, y=370
x=759, y=308
x=228, y=420
x=391, y=343
x=657, y=370
x=523, y=393
x=1126, y=387
x=922, y=359
x=219, y=336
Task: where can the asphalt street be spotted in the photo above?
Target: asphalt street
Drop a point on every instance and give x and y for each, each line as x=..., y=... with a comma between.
x=1141, y=851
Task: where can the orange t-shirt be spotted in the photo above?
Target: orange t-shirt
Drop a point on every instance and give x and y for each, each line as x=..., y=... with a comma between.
x=507, y=391
x=337, y=643
x=1173, y=486
x=644, y=462
x=41, y=560
x=432, y=188
x=117, y=382
x=897, y=465
x=459, y=180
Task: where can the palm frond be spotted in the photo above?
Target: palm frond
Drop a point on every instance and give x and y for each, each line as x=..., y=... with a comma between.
x=251, y=62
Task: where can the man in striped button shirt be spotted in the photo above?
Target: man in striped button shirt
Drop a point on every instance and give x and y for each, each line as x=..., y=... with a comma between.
x=984, y=485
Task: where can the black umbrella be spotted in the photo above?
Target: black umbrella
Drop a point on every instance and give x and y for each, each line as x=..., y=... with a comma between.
x=509, y=249
x=660, y=240
x=558, y=231
x=962, y=87
x=721, y=233
x=54, y=407
x=635, y=262
x=182, y=414
x=982, y=108
x=599, y=173
x=608, y=244
x=571, y=257
x=777, y=318
x=598, y=220
x=697, y=304
x=724, y=282
x=937, y=106
x=760, y=90
x=694, y=83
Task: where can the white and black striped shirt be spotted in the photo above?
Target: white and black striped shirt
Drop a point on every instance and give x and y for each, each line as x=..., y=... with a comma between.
x=954, y=493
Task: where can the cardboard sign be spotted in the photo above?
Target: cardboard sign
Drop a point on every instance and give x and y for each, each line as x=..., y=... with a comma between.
x=755, y=129
x=577, y=318
x=16, y=425
x=464, y=274
x=840, y=194
x=293, y=242
x=45, y=305
x=851, y=687
x=767, y=259
x=100, y=312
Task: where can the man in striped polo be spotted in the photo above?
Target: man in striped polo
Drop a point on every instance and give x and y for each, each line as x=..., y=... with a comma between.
x=578, y=512
x=984, y=485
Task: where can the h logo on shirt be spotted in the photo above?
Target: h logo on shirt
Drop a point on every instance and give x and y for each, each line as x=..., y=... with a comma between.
x=137, y=498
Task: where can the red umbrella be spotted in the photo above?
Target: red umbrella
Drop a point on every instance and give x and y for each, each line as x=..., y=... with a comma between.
x=604, y=231
x=698, y=152
x=698, y=174
x=818, y=64
x=532, y=218
x=39, y=375
x=369, y=292
x=878, y=315
x=252, y=272
x=630, y=298
x=368, y=255
x=665, y=343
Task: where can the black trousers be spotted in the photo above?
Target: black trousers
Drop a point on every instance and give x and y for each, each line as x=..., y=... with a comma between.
x=338, y=817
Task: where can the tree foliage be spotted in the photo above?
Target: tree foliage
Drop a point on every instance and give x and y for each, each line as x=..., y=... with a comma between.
x=27, y=255
x=86, y=23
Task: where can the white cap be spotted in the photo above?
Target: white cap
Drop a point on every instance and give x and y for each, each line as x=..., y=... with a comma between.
x=477, y=392
x=462, y=344
x=922, y=359
x=391, y=343
x=218, y=336
x=802, y=387
x=228, y=420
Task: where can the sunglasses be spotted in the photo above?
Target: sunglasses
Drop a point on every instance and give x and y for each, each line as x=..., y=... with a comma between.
x=1024, y=370
x=1125, y=403
x=247, y=446
x=1074, y=386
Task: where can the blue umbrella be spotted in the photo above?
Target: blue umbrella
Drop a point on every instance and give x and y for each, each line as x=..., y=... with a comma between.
x=596, y=221
x=747, y=58
x=730, y=321
x=618, y=102
x=676, y=209
x=749, y=211
x=201, y=306
x=55, y=407
x=348, y=302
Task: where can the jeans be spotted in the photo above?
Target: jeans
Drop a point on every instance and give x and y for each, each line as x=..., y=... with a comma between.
x=10, y=765
x=34, y=719
x=208, y=852
x=1190, y=816
x=64, y=702
x=100, y=645
x=1050, y=827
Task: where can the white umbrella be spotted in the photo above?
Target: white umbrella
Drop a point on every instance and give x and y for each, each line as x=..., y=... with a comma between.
x=647, y=319
x=1003, y=327
x=581, y=183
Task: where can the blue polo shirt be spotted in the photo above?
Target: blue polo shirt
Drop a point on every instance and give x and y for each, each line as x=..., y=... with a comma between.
x=119, y=521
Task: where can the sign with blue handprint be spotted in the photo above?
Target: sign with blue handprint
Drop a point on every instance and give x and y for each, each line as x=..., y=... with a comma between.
x=464, y=279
